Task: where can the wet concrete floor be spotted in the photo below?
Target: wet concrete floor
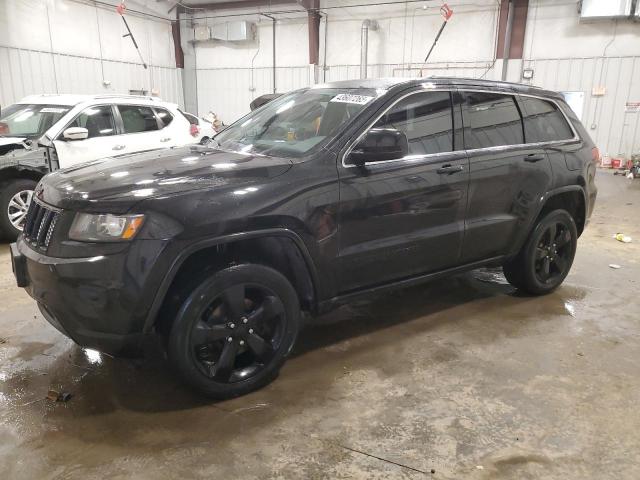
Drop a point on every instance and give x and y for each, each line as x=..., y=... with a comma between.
x=463, y=377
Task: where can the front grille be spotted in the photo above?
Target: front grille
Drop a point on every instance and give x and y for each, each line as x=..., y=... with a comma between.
x=39, y=224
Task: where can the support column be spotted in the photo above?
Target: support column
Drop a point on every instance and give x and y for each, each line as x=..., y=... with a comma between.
x=314, y=31
x=511, y=31
x=189, y=76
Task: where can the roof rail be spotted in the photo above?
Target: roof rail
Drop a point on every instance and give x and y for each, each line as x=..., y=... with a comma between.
x=124, y=95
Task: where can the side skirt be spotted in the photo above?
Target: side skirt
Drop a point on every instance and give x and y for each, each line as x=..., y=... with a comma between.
x=332, y=303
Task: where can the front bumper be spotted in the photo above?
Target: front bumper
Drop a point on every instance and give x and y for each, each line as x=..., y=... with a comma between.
x=98, y=302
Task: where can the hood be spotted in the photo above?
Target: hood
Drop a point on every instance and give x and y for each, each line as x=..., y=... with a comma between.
x=10, y=144
x=114, y=185
x=11, y=140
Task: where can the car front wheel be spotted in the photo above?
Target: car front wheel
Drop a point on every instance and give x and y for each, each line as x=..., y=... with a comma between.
x=546, y=258
x=15, y=197
x=235, y=330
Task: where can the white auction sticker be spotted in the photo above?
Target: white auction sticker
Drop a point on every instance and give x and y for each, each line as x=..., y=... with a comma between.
x=349, y=98
x=53, y=110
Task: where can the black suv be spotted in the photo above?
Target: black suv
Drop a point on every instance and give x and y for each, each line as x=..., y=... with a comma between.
x=316, y=198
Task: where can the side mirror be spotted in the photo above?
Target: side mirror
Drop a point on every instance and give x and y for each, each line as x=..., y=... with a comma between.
x=379, y=144
x=75, y=133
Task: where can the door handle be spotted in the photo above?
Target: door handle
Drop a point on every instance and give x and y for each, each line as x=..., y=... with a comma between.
x=534, y=157
x=166, y=139
x=450, y=169
x=118, y=147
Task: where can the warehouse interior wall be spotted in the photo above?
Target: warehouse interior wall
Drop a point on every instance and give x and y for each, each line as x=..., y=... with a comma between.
x=76, y=46
x=565, y=54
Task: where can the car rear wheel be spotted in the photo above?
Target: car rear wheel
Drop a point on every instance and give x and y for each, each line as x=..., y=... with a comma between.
x=546, y=258
x=235, y=330
x=15, y=197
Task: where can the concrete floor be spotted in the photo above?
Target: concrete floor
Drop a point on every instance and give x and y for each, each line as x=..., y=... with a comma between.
x=463, y=377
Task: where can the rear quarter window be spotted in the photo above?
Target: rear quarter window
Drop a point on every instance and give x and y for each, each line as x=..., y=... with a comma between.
x=193, y=120
x=165, y=117
x=543, y=121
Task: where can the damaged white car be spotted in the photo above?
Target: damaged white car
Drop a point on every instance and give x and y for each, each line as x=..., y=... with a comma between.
x=42, y=133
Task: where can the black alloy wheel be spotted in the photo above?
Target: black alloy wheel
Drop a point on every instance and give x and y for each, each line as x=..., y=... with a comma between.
x=235, y=330
x=546, y=257
x=554, y=252
x=239, y=333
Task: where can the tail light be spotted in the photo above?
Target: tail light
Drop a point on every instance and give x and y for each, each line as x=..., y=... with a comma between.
x=4, y=128
x=194, y=130
x=595, y=155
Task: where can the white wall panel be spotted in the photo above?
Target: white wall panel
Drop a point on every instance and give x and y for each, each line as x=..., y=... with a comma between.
x=229, y=91
x=611, y=127
x=26, y=72
x=66, y=58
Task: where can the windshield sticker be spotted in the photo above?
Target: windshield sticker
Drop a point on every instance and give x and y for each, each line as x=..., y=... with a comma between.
x=348, y=98
x=53, y=110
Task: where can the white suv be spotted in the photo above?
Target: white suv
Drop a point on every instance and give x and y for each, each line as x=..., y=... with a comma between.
x=78, y=128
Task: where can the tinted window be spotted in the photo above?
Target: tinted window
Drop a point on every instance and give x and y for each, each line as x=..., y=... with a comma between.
x=98, y=121
x=164, y=116
x=137, y=119
x=426, y=120
x=543, y=121
x=294, y=124
x=491, y=120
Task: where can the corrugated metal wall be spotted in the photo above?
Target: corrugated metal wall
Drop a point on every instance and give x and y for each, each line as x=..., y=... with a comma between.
x=229, y=91
x=25, y=72
x=615, y=130
x=450, y=69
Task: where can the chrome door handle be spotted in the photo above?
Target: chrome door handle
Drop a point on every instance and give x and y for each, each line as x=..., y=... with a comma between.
x=450, y=169
x=166, y=139
x=119, y=147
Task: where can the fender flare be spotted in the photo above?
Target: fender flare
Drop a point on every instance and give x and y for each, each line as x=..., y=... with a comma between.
x=542, y=203
x=221, y=240
x=556, y=191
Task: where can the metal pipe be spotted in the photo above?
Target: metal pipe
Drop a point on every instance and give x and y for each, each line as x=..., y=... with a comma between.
x=273, y=20
x=364, y=44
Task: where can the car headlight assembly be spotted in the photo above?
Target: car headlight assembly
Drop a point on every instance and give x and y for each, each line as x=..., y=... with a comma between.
x=87, y=227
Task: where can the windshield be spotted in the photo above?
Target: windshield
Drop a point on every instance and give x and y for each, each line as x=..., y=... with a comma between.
x=31, y=121
x=293, y=124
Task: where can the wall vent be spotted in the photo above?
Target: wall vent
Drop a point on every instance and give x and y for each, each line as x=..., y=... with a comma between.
x=240, y=31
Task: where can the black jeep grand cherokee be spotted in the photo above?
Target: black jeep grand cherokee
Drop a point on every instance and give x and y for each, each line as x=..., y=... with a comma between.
x=319, y=196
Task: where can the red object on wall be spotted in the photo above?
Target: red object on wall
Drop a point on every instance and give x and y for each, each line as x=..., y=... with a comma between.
x=121, y=8
x=446, y=12
x=616, y=163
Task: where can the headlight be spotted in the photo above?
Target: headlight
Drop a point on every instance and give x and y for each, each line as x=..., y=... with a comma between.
x=87, y=227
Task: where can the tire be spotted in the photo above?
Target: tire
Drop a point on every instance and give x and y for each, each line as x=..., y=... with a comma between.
x=234, y=330
x=15, y=190
x=546, y=258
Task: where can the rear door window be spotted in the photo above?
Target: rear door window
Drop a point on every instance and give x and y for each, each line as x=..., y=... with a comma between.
x=98, y=121
x=425, y=118
x=543, y=121
x=491, y=120
x=136, y=119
